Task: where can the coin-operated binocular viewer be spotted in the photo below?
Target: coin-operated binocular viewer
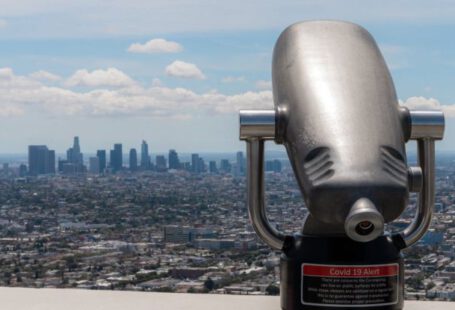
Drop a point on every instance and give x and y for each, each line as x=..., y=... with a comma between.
x=337, y=114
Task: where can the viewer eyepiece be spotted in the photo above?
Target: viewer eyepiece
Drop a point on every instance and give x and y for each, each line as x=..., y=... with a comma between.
x=364, y=222
x=364, y=228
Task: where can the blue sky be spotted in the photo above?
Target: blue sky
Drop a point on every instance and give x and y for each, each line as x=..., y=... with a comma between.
x=69, y=68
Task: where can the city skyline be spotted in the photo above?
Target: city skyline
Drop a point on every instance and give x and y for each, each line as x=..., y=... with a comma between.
x=182, y=83
x=142, y=148
x=272, y=147
x=43, y=161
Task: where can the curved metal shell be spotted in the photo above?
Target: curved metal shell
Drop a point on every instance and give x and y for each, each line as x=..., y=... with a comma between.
x=338, y=118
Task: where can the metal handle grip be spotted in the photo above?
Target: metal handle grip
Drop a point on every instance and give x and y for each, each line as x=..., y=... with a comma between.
x=425, y=127
x=256, y=126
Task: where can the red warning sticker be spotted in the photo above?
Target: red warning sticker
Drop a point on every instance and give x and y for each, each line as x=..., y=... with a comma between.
x=349, y=285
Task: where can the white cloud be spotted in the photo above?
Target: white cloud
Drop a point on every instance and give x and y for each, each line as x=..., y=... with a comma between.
x=248, y=100
x=422, y=103
x=261, y=84
x=155, y=46
x=233, y=79
x=7, y=110
x=6, y=73
x=8, y=80
x=3, y=23
x=157, y=82
x=22, y=94
x=110, y=77
x=185, y=70
x=42, y=75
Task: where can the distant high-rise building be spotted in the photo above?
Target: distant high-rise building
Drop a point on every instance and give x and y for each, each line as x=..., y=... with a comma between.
x=173, y=158
x=77, y=150
x=145, y=157
x=51, y=161
x=101, y=154
x=60, y=164
x=75, y=157
x=277, y=166
x=240, y=163
x=201, y=165
x=41, y=160
x=68, y=168
x=133, y=159
x=195, y=163
x=112, y=159
x=225, y=166
x=273, y=165
x=94, y=165
x=187, y=166
x=212, y=167
x=116, y=158
x=73, y=154
x=22, y=170
x=160, y=163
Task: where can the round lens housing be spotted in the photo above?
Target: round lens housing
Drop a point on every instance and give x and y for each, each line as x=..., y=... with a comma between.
x=364, y=228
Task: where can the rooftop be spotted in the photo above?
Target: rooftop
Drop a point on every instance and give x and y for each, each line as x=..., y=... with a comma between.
x=69, y=299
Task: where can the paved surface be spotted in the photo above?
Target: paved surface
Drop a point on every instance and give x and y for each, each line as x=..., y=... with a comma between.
x=70, y=299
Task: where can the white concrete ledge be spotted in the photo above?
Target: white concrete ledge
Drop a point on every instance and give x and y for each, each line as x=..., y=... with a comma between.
x=73, y=299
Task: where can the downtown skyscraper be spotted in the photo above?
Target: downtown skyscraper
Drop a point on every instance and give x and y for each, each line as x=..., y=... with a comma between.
x=133, y=159
x=197, y=163
x=94, y=165
x=145, y=157
x=101, y=154
x=41, y=160
x=73, y=154
x=116, y=158
x=161, y=163
x=240, y=164
x=173, y=159
x=74, y=159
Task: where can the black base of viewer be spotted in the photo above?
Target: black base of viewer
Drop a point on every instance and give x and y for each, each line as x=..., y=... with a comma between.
x=337, y=273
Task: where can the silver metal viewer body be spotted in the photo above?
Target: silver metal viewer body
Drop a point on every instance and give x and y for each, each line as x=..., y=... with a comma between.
x=337, y=114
